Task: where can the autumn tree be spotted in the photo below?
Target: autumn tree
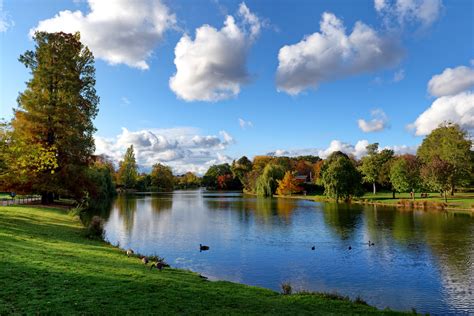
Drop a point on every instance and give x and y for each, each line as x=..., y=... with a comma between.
x=221, y=177
x=162, y=177
x=267, y=184
x=452, y=145
x=288, y=185
x=128, y=170
x=340, y=177
x=52, y=129
x=317, y=167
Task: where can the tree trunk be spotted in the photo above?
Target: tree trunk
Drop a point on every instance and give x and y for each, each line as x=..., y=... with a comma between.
x=47, y=198
x=393, y=194
x=375, y=189
x=453, y=188
x=445, y=197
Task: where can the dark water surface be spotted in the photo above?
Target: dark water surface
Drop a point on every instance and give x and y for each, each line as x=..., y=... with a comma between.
x=420, y=259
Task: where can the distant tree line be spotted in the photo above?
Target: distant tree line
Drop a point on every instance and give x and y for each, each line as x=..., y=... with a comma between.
x=443, y=162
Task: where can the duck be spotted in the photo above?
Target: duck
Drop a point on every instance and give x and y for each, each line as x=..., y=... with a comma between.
x=145, y=260
x=203, y=247
x=159, y=265
x=313, y=248
x=129, y=252
x=350, y=248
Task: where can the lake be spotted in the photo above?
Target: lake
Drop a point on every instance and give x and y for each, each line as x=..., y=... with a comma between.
x=421, y=259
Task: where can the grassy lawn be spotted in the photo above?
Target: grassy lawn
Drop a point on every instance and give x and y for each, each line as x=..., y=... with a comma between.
x=459, y=200
x=48, y=266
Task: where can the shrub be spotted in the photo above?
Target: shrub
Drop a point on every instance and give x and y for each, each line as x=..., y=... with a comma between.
x=286, y=288
x=359, y=300
x=95, y=230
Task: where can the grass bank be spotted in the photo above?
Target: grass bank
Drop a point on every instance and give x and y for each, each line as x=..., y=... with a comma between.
x=48, y=266
x=460, y=201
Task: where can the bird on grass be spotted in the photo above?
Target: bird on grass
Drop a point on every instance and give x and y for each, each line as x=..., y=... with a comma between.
x=158, y=265
x=145, y=260
x=129, y=252
x=203, y=247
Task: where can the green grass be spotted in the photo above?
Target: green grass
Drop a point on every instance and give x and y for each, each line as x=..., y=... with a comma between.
x=460, y=200
x=48, y=266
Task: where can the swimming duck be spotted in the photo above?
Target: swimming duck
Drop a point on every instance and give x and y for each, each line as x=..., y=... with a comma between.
x=313, y=248
x=203, y=247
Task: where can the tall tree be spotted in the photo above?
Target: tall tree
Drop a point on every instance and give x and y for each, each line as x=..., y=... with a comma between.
x=162, y=177
x=128, y=170
x=52, y=127
x=241, y=167
x=437, y=175
x=372, y=165
x=405, y=174
x=340, y=177
x=267, y=184
x=452, y=145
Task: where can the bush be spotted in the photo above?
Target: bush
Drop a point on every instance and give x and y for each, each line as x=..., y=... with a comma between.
x=286, y=288
x=95, y=230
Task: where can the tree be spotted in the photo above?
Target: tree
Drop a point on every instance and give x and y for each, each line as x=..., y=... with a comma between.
x=210, y=179
x=437, y=175
x=128, y=170
x=241, y=167
x=188, y=180
x=372, y=165
x=340, y=177
x=405, y=174
x=452, y=145
x=52, y=137
x=267, y=184
x=162, y=177
x=288, y=185
x=317, y=167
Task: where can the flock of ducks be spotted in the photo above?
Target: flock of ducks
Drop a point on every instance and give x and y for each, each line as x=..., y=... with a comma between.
x=160, y=264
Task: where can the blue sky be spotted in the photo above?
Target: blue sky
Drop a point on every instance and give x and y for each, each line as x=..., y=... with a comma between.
x=308, y=99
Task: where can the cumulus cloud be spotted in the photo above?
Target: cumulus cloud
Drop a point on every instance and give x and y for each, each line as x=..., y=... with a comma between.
x=401, y=12
x=117, y=31
x=458, y=109
x=184, y=149
x=332, y=54
x=378, y=122
x=5, y=21
x=212, y=67
x=451, y=81
x=244, y=124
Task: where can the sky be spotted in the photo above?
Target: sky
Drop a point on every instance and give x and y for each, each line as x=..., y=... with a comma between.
x=196, y=83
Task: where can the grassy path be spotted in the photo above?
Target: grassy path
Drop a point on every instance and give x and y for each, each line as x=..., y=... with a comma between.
x=48, y=266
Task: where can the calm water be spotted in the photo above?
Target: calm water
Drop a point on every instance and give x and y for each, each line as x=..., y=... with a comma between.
x=420, y=259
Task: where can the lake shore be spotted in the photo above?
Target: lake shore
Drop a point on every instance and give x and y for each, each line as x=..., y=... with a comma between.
x=405, y=202
x=49, y=266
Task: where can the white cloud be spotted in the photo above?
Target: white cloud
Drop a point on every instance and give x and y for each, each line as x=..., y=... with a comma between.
x=401, y=12
x=451, y=81
x=358, y=150
x=456, y=109
x=117, y=31
x=399, y=75
x=212, y=67
x=332, y=54
x=184, y=149
x=5, y=21
x=244, y=124
x=377, y=123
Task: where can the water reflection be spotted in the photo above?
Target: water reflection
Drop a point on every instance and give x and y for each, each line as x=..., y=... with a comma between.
x=420, y=259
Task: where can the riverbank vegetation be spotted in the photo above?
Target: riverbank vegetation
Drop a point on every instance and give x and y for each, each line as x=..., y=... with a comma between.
x=47, y=265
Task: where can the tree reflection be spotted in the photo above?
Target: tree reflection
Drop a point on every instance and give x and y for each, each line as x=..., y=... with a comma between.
x=342, y=218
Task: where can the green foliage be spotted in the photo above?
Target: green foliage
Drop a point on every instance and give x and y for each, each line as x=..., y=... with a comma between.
x=240, y=167
x=188, y=180
x=405, y=174
x=372, y=165
x=210, y=179
x=340, y=177
x=449, y=148
x=162, y=178
x=52, y=129
x=128, y=170
x=267, y=183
